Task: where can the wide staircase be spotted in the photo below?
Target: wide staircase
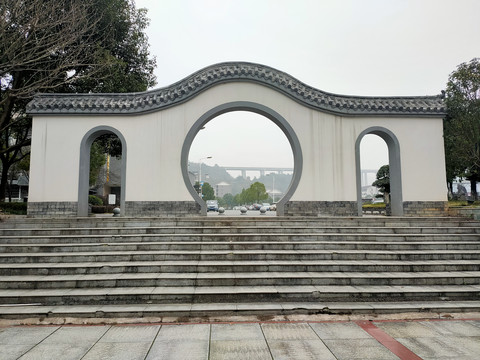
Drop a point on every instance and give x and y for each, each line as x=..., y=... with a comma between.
x=216, y=265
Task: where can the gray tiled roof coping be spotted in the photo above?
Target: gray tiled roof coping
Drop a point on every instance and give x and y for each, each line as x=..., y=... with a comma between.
x=183, y=90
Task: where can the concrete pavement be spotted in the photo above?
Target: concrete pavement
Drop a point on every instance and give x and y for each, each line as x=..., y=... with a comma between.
x=457, y=339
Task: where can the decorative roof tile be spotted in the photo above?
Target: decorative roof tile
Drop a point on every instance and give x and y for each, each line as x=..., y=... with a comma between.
x=158, y=99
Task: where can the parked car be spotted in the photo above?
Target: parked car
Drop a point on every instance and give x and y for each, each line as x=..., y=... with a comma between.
x=266, y=206
x=212, y=205
x=273, y=207
x=377, y=201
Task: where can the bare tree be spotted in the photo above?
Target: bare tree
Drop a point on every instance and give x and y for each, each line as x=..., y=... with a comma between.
x=59, y=45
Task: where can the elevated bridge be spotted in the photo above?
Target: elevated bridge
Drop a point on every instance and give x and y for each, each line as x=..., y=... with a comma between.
x=261, y=170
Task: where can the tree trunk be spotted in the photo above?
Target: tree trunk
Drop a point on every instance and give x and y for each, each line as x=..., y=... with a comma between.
x=473, y=191
x=450, y=189
x=4, y=180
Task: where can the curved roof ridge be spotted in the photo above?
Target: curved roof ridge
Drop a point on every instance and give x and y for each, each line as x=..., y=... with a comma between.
x=192, y=85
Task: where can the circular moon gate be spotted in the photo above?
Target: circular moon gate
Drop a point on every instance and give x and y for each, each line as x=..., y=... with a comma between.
x=258, y=109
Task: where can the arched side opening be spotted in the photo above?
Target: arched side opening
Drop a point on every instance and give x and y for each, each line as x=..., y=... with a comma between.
x=261, y=110
x=393, y=145
x=83, y=183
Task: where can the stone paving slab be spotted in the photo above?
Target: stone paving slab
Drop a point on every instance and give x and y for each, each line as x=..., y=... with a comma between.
x=130, y=334
x=288, y=332
x=25, y=335
x=336, y=330
x=118, y=351
x=57, y=352
x=406, y=329
x=222, y=332
x=359, y=349
x=299, y=349
x=179, y=349
x=239, y=350
x=13, y=352
x=428, y=339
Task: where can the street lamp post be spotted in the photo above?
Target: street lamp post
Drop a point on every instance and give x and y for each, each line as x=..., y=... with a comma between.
x=273, y=186
x=200, y=174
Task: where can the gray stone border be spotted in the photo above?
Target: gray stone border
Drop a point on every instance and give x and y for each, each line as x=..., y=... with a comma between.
x=396, y=197
x=258, y=109
x=425, y=208
x=184, y=90
x=52, y=208
x=162, y=208
x=83, y=181
x=321, y=208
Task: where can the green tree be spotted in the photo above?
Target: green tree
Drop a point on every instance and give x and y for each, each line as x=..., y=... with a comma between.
x=240, y=198
x=208, y=192
x=97, y=160
x=462, y=123
x=228, y=200
x=65, y=46
x=256, y=192
x=383, y=180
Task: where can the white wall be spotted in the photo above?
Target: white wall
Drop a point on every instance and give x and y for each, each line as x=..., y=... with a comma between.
x=155, y=140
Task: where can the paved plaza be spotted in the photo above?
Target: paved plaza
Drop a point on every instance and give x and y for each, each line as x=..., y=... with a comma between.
x=350, y=340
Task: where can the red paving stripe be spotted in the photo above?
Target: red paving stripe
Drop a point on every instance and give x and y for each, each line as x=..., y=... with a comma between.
x=389, y=342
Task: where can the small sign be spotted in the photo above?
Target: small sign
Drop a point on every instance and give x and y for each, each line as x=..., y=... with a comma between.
x=201, y=183
x=112, y=199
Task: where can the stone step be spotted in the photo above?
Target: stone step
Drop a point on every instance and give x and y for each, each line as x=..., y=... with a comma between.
x=238, y=294
x=238, y=279
x=235, y=238
x=238, y=255
x=218, y=264
x=51, y=314
x=90, y=222
x=107, y=231
x=102, y=267
x=239, y=245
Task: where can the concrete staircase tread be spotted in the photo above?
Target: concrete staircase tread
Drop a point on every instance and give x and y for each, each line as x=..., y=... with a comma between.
x=139, y=310
x=231, y=235
x=235, y=229
x=170, y=290
x=249, y=243
x=231, y=252
x=236, y=263
x=237, y=275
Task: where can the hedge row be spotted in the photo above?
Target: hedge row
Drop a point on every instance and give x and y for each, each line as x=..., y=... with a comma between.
x=15, y=208
x=102, y=209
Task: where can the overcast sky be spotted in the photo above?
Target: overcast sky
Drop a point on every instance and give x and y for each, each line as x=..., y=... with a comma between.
x=352, y=47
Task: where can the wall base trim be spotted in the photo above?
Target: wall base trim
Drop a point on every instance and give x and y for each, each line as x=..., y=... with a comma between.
x=52, y=208
x=425, y=208
x=321, y=208
x=162, y=208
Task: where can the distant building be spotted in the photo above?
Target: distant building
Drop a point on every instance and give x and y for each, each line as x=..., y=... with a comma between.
x=17, y=189
x=275, y=194
x=222, y=188
x=109, y=179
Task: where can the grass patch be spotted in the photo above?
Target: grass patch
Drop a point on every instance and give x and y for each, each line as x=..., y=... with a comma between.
x=14, y=208
x=374, y=206
x=463, y=203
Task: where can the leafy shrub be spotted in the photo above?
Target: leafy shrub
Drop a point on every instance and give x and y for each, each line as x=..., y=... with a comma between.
x=102, y=209
x=15, y=208
x=94, y=200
